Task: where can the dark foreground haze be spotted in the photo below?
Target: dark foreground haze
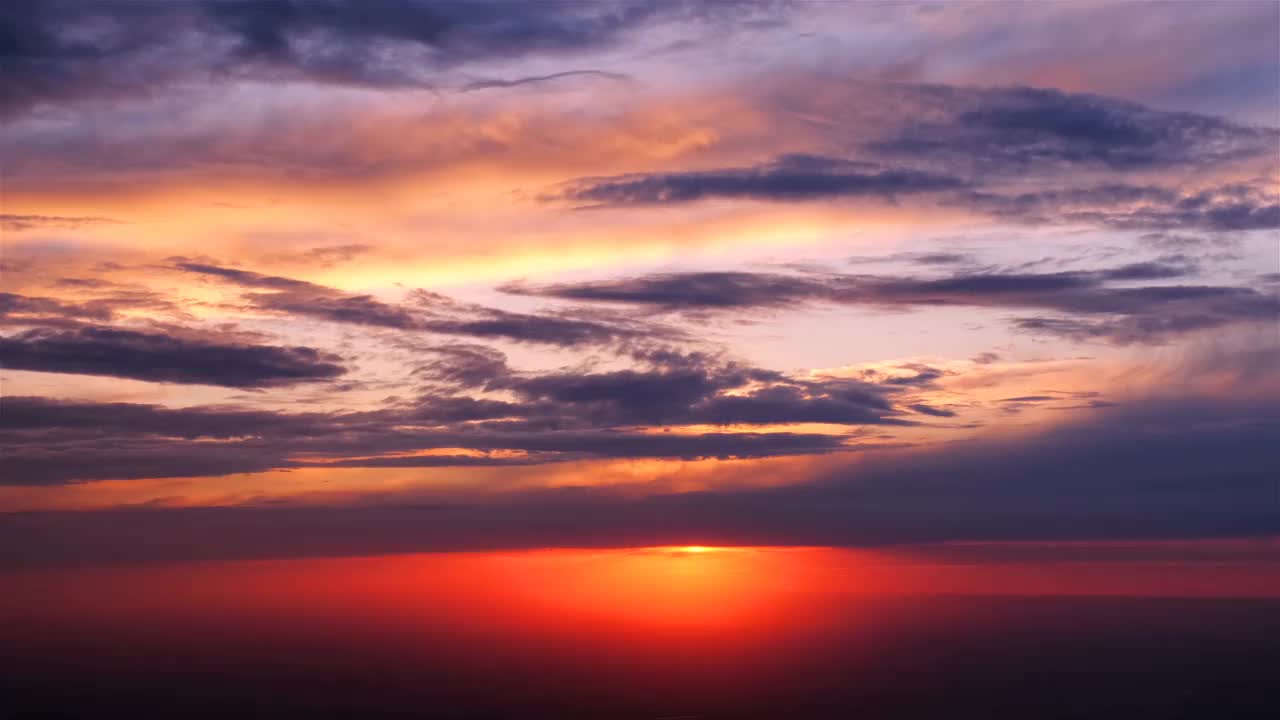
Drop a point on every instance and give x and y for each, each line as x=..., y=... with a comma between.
x=686, y=632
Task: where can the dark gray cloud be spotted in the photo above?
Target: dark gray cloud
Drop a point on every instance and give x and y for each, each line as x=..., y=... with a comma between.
x=548, y=329
x=941, y=258
x=106, y=301
x=695, y=290
x=630, y=396
x=246, y=277
x=50, y=442
x=463, y=365
x=18, y=309
x=974, y=146
x=1115, y=312
x=669, y=387
x=791, y=177
x=546, y=417
x=165, y=358
x=696, y=395
x=1023, y=129
x=33, y=414
x=1233, y=207
x=729, y=290
x=59, y=51
x=1129, y=330
x=930, y=410
x=1170, y=466
x=351, y=33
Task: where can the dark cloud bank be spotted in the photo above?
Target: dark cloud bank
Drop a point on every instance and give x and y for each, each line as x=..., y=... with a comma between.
x=1170, y=466
x=164, y=358
x=63, y=51
x=548, y=417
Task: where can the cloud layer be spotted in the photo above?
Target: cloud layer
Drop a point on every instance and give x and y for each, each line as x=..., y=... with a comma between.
x=1167, y=467
x=1093, y=303
x=634, y=271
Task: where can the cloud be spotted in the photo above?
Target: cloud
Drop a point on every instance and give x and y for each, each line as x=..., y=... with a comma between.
x=697, y=390
x=50, y=442
x=791, y=177
x=930, y=410
x=345, y=37
x=324, y=256
x=577, y=445
x=463, y=364
x=67, y=50
x=23, y=414
x=429, y=312
x=1024, y=129
x=18, y=223
x=107, y=303
x=548, y=329
x=700, y=290
x=1121, y=314
x=1017, y=154
x=22, y=309
x=1231, y=207
x=165, y=358
x=1235, y=207
x=539, y=79
x=543, y=417
x=1176, y=464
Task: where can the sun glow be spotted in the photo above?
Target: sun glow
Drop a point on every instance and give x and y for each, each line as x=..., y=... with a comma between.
x=698, y=549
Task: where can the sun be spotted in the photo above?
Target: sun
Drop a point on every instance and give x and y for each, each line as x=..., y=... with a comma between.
x=696, y=549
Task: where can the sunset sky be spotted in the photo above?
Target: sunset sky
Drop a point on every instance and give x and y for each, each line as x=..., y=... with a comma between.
x=639, y=359
x=337, y=278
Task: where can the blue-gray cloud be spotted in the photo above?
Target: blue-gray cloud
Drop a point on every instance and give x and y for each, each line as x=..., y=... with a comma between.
x=546, y=417
x=62, y=51
x=791, y=177
x=164, y=358
x=1025, y=129
x=1168, y=466
x=1101, y=300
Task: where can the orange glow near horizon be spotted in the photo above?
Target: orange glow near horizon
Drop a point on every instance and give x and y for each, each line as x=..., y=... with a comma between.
x=685, y=587
x=655, y=621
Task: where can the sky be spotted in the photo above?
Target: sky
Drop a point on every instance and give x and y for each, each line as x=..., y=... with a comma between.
x=350, y=278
